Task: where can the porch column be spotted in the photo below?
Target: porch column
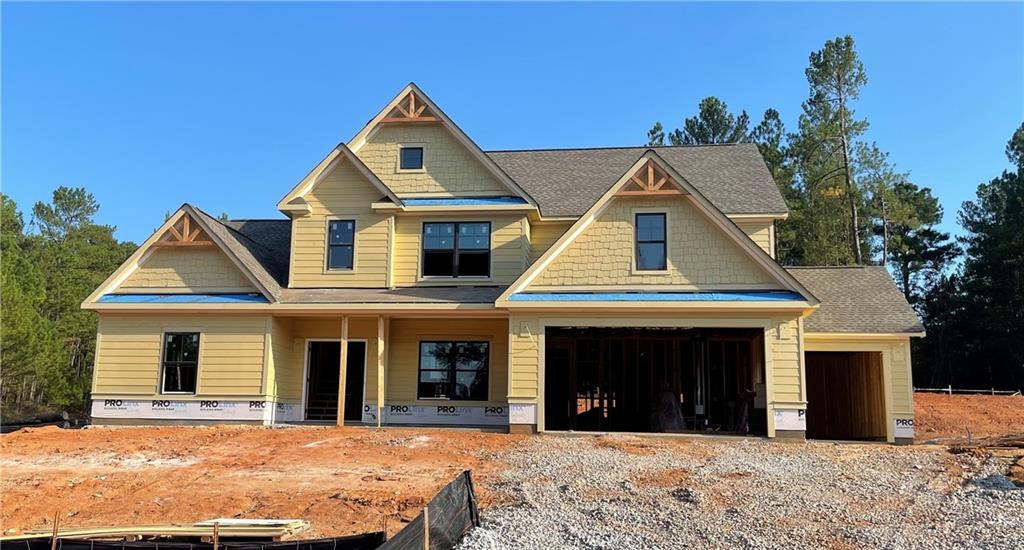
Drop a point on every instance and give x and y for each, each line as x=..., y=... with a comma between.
x=381, y=320
x=342, y=370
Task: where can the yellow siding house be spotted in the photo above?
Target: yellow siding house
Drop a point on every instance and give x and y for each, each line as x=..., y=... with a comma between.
x=415, y=279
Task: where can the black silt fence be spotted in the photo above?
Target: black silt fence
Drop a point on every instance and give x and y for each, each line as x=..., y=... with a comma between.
x=445, y=520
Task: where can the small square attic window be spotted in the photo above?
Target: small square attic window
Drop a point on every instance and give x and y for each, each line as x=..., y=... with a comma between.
x=410, y=158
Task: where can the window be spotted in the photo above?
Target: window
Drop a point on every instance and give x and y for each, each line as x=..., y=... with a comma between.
x=181, y=362
x=650, y=242
x=410, y=158
x=341, y=244
x=457, y=249
x=453, y=370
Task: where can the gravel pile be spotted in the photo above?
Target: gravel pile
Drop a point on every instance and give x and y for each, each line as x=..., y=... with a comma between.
x=627, y=492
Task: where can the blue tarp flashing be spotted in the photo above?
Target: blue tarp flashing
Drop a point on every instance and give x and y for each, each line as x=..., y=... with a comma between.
x=183, y=299
x=754, y=296
x=474, y=201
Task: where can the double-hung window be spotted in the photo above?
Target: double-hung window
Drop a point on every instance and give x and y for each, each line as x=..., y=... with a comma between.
x=181, y=362
x=650, y=242
x=341, y=244
x=457, y=249
x=453, y=370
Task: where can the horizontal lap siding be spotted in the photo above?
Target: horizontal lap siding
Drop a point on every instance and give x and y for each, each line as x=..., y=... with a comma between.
x=187, y=270
x=343, y=194
x=760, y=232
x=448, y=166
x=699, y=252
x=230, y=361
x=524, y=370
x=508, y=249
x=543, y=235
x=785, y=369
x=902, y=385
x=281, y=359
x=403, y=362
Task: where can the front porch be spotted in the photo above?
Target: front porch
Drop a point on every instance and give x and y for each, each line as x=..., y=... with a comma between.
x=398, y=370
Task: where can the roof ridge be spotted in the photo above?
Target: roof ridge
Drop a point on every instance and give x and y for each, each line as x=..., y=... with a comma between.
x=259, y=220
x=617, y=147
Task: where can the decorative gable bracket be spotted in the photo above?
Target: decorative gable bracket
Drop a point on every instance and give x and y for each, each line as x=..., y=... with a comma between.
x=649, y=180
x=410, y=109
x=184, y=232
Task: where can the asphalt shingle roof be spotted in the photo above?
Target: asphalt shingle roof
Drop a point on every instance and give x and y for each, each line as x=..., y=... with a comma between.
x=566, y=182
x=856, y=300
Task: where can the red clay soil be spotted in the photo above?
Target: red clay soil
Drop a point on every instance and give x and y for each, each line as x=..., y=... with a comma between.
x=941, y=417
x=342, y=480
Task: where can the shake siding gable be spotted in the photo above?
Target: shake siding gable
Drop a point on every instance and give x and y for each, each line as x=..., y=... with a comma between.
x=700, y=255
x=187, y=270
x=347, y=195
x=448, y=167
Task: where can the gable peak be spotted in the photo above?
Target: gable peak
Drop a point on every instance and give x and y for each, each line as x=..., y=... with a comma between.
x=411, y=107
x=650, y=179
x=184, y=232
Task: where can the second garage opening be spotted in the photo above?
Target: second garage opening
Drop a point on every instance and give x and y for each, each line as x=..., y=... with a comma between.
x=655, y=380
x=845, y=395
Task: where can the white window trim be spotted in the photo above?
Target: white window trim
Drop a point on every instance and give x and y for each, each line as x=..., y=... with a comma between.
x=445, y=278
x=199, y=359
x=327, y=245
x=633, y=270
x=398, y=159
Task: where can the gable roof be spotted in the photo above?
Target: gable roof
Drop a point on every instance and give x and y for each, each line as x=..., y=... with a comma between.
x=860, y=299
x=566, y=182
x=294, y=199
x=357, y=141
x=699, y=201
x=221, y=235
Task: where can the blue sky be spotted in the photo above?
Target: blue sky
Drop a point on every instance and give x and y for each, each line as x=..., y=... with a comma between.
x=227, y=106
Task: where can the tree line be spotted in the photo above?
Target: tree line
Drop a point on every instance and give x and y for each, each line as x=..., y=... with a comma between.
x=849, y=205
x=47, y=267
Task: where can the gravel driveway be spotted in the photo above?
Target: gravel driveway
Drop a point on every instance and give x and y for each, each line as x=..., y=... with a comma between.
x=629, y=492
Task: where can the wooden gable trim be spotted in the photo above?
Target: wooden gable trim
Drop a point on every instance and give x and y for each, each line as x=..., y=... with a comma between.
x=648, y=165
x=185, y=232
x=138, y=258
x=427, y=108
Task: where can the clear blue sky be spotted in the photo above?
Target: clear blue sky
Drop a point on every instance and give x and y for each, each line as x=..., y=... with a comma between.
x=227, y=106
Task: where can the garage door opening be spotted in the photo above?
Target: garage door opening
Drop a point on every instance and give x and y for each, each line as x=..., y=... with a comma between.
x=655, y=380
x=845, y=395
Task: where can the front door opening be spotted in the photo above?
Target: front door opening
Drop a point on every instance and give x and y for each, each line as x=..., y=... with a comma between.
x=322, y=381
x=655, y=380
x=845, y=395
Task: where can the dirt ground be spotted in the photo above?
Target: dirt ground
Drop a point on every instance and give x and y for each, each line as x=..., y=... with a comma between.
x=942, y=417
x=342, y=480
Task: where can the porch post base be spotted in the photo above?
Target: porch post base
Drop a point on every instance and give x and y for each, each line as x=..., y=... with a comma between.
x=791, y=435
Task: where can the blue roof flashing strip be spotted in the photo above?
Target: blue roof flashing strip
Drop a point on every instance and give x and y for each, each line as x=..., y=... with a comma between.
x=753, y=296
x=465, y=201
x=182, y=299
